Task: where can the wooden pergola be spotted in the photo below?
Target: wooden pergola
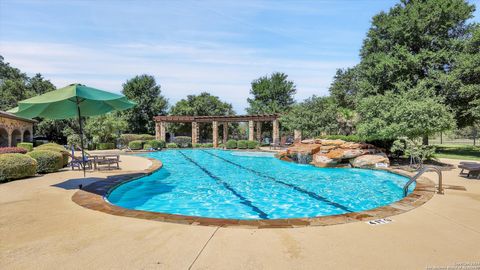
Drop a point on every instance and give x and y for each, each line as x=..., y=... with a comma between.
x=253, y=120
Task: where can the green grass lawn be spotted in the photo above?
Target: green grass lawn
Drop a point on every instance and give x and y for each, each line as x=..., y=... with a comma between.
x=458, y=151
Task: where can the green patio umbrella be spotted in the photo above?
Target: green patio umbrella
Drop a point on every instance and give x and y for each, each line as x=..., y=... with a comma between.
x=74, y=100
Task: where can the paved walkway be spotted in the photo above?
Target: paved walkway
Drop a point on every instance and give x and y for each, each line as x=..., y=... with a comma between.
x=41, y=228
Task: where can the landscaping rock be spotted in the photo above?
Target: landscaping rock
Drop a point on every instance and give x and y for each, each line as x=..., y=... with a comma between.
x=308, y=141
x=370, y=161
x=332, y=142
x=345, y=153
x=306, y=149
x=320, y=160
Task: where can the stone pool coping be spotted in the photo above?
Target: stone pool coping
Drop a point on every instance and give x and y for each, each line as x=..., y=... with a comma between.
x=93, y=197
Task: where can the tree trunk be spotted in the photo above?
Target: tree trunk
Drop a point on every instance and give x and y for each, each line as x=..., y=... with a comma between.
x=425, y=140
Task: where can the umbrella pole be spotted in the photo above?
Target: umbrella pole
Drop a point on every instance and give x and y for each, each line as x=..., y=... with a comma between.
x=81, y=137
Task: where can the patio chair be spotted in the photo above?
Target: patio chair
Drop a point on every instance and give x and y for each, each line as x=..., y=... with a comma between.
x=77, y=162
x=106, y=160
x=471, y=167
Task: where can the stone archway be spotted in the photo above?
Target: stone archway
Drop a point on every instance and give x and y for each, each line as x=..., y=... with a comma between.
x=16, y=137
x=27, y=136
x=3, y=137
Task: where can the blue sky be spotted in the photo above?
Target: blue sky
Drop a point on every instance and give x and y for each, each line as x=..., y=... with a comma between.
x=189, y=46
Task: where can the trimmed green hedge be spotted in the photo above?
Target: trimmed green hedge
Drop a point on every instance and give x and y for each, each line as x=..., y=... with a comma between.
x=156, y=144
x=172, y=145
x=183, y=141
x=147, y=146
x=197, y=145
x=231, y=144
x=221, y=145
x=135, y=145
x=207, y=145
x=47, y=161
x=26, y=145
x=50, y=145
x=16, y=166
x=125, y=139
x=105, y=146
x=242, y=144
x=65, y=154
x=252, y=144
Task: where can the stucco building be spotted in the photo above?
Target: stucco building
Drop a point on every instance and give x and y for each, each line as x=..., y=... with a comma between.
x=14, y=129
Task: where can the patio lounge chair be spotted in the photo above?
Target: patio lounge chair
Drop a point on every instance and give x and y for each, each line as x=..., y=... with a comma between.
x=471, y=167
x=77, y=162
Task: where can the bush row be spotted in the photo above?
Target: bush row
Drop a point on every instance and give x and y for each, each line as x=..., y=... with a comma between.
x=348, y=138
x=147, y=145
x=202, y=145
x=241, y=144
x=12, y=150
x=17, y=163
x=125, y=139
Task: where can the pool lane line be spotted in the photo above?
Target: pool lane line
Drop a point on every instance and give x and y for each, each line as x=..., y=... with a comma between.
x=243, y=200
x=297, y=188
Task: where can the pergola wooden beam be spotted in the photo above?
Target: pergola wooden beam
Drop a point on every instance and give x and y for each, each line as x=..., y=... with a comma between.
x=218, y=118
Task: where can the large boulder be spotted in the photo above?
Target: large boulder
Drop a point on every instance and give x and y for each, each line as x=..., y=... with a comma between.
x=332, y=142
x=305, y=149
x=370, y=161
x=345, y=153
x=321, y=160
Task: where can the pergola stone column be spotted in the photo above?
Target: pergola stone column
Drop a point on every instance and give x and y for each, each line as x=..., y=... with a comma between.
x=215, y=133
x=259, y=131
x=276, y=132
x=195, y=132
x=297, y=135
x=160, y=131
x=250, y=130
x=225, y=132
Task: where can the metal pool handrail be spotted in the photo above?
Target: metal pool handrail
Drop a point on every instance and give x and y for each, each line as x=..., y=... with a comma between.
x=422, y=171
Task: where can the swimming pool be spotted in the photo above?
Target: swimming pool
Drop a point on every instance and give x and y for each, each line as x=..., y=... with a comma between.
x=245, y=185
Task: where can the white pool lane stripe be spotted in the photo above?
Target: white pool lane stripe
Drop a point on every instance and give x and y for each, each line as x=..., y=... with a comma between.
x=297, y=188
x=243, y=200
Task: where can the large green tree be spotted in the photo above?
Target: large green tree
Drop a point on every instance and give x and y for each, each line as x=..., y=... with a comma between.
x=144, y=90
x=105, y=128
x=202, y=104
x=271, y=94
x=16, y=85
x=412, y=114
x=422, y=45
x=314, y=116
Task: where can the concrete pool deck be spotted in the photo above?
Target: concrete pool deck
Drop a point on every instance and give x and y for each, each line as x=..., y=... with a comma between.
x=42, y=228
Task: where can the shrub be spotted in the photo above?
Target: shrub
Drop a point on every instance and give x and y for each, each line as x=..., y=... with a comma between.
x=65, y=154
x=26, y=145
x=242, y=144
x=221, y=145
x=231, y=144
x=252, y=144
x=207, y=145
x=147, y=146
x=156, y=144
x=197, y=145
x=125, y=139
x=16, y=166
x=50, y=145
x=183, y=141
x=348, y=138
x=135, y=145
x=12, y=150
x=47, y=161
x=105, y=146
x=172, y=145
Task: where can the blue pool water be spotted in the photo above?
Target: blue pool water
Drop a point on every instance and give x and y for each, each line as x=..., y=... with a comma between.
x=243, y=185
